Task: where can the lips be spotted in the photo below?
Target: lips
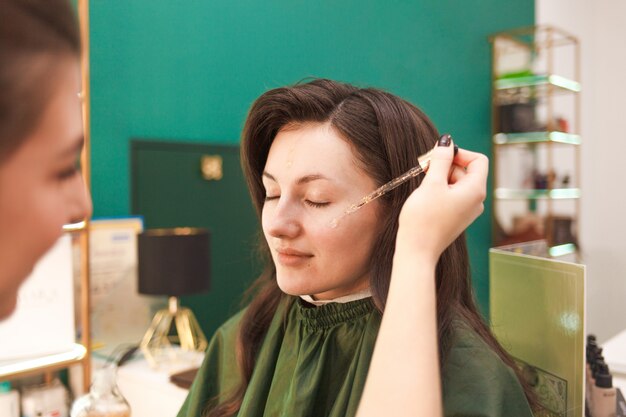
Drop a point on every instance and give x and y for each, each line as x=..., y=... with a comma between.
x=292, y=252
x=292, y=257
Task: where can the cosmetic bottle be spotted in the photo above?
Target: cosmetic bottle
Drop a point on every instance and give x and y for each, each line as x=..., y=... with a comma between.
x=49, y=399
x=598, y=362
x=591, y=352
x=9, y=401
x=103, y=399
x=604, y=395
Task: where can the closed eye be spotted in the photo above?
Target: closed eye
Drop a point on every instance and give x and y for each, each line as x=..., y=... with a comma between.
x=316, y=204
x=70, y=171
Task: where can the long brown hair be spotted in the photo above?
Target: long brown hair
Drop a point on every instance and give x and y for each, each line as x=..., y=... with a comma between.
x=387, y=135
x=34, y=36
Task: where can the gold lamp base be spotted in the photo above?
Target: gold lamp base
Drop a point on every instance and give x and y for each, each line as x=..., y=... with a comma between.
x=172, y=327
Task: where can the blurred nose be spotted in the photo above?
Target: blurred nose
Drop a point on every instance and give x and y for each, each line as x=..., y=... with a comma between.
x=80, y=206
x=283, y=221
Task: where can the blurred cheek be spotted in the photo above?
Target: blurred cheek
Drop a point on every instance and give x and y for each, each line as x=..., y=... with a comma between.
x=47, y=214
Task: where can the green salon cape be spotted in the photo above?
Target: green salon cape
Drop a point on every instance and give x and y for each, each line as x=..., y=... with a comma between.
x=315, y=364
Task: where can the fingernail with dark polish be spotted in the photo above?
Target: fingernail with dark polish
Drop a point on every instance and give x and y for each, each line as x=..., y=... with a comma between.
x=445, y=140
x=456, y=149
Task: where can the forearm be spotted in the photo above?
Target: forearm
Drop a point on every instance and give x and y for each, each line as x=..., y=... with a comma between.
x=404, y=378
x=404, y=375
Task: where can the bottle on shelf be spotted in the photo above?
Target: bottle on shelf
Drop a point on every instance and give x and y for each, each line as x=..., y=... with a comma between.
x=9, y=400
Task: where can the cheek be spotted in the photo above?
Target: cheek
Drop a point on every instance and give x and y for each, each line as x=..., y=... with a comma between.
x=31, y=224
x=265, y=217
x=336, y=242
x=48, y=214
x=352, y=241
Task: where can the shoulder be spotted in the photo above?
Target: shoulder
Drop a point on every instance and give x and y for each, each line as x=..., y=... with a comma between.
x=230, y=327
x=221, y=347
x=469, y=350
x=218, y=372
x=476, y=382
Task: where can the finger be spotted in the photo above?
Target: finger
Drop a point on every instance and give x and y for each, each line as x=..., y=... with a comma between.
x=471, y=160
x=476, y=165
x=440, y=160
x=456, y=174
x=474, y=181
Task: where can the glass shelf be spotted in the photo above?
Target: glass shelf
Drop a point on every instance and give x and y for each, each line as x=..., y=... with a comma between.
x=536, y=137
x=531, y=88
x=21, y=367
x=538, y=81
x=531, y=194
x=562, y=250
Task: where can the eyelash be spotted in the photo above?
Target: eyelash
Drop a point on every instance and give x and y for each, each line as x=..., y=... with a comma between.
x=308, y=202
x=316, y=205
x=71, y=172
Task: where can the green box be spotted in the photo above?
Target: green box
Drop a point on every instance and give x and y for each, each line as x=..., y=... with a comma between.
x=537, y=307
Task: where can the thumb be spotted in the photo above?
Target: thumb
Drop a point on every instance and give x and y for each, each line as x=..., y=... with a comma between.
x=441, y=158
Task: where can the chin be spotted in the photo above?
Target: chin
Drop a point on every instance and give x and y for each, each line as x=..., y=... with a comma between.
x=291, y=286
x=290, y=289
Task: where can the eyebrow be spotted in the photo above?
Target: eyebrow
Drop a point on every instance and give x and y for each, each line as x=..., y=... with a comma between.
x=76, y=147
x=302, y=180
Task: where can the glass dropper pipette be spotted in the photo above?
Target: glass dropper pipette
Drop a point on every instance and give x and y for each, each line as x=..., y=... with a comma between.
x=423, y=162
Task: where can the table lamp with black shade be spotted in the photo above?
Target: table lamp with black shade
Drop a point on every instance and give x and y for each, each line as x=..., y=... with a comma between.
x=173, y=262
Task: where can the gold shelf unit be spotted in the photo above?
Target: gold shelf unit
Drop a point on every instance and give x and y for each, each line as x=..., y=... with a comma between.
x=541, y=84
x=80, y=352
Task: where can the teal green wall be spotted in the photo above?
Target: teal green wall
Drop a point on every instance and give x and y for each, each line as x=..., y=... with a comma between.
x=189, y=71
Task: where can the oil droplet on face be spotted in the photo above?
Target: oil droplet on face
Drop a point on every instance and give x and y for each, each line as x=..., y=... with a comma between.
x=382, y=190
x=290, y=157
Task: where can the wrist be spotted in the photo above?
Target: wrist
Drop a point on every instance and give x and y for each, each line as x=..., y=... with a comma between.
x=421, y=255
x=412, y=246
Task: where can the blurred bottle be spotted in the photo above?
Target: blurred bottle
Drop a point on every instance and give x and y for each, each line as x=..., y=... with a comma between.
x=103, y=399
x=9, y=401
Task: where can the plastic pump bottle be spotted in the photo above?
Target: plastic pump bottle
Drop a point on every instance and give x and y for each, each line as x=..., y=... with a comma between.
x=9, y=401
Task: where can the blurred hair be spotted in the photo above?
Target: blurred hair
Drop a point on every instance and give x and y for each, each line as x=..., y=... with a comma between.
x=35, y=37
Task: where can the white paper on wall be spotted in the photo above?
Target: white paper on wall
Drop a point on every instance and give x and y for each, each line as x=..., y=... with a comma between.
x=119, y=315
x=43, y=322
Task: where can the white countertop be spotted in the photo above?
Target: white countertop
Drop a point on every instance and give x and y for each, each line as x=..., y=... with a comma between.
x=149, y=391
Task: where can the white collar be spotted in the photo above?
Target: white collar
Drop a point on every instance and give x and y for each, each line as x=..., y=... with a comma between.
x=345, y=299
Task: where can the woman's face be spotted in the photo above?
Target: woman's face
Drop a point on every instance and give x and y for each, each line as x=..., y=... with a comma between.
x=310, y=177
x=41, y=188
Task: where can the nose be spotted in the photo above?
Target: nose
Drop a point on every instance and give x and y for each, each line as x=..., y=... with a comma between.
x=282, y=221
x=80, y=207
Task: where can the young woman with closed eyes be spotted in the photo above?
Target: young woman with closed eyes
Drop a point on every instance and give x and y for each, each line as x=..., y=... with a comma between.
x=383, y=297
